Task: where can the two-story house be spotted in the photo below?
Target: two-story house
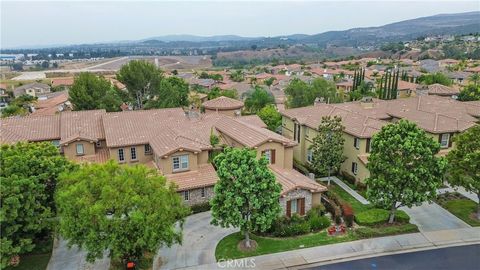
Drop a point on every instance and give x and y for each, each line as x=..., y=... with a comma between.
x=440, y=117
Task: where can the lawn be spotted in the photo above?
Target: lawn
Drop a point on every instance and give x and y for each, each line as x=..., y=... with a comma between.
x=357, y=206
x=461, y=207
x=37, y=260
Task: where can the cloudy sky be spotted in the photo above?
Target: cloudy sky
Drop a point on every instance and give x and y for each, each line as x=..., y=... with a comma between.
x=68, y=22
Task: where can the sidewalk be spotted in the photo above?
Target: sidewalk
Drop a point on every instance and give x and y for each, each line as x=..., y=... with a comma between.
x=350, y=191
x=461, y=190
x=73, y=258
x=300, y=258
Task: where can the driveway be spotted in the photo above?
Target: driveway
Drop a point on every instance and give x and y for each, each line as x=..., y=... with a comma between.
x=64, y=258
x=432, y=217
x=199, y=241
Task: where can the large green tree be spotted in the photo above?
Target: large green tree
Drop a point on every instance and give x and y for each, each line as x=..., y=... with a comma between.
x=464, y=162
x=470, y=92
x=404, y=170
x=90, y=92
x=142, y=80
x=217, y=92
x=247, y=193
x=433, y=78
x=28, y=176
x=257, y=99
x=270, y=116
x=128, y=210
x=172, y=92
x=301, y=94
x=327, y=147
x=19, y=106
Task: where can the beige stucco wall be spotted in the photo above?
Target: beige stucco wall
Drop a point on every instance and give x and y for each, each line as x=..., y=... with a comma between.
x=141, y=156
x=224, y=112
x=279, y=152
x=165, y=164
x=70, y=150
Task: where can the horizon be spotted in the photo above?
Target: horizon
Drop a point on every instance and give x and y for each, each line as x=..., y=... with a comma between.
x=62, y=23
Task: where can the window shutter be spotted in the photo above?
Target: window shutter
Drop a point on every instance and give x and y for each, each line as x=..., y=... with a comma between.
x=450, y=140
x=289, y=208
x=272, y=153
x=440, y=138
x=353, y=169
x=302, y=206
x=367, y=150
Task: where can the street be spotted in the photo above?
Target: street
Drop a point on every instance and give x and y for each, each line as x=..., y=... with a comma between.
x=458, y=258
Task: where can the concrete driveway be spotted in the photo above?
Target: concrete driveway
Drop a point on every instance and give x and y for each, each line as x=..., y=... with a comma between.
x=432, y=217
x=199, y=241
x=64, y=258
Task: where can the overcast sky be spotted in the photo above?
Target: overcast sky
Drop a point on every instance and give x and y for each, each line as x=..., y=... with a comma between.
x=68, y=22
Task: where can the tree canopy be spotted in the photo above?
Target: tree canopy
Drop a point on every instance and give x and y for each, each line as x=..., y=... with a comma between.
x=247, y=193
x=464, y=162
x=142, y=80
x=237, y=76
x=404, y=170
x=217, y=92
x=327, y=147
x=470, y=92
x=90, y=92
x=301, y=94
x=28, y=176
x=257, y=99
x=19, y=106
x=433, y=78
x=270, y=116
x=128, y=210
x=172, y=92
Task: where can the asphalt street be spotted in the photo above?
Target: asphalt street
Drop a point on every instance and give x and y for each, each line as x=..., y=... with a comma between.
x=453, y=258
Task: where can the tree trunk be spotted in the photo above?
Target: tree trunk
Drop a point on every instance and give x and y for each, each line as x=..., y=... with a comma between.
x=392, y=213
x=328, y=176
x=478, y=207
x=247, y=239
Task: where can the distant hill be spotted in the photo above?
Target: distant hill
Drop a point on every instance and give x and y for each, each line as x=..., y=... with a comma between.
x=193, y=38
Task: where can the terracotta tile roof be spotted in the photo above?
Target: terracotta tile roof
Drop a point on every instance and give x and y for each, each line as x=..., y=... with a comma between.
x=404, y=85
x=442, y=90
x=291, y=179
x=204, y=176
x=223, y=103
x=253, y=120
x=30, y=128
x=62, y=81
x=85, y=125
x=249, y=135
x=50, y=106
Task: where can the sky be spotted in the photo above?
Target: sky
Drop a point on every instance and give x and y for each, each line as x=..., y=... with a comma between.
x=40, y=23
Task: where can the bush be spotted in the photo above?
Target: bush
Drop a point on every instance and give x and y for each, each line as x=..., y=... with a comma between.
x=348, y=213
x=348, y=177
x=201, y=207
x=378, y=216
x=319, y=209
x=332, y=207
x=303, y=168
x=318, y=223
x=295, y=225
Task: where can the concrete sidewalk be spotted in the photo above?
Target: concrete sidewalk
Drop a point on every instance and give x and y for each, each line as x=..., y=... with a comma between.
x=345, y=187
x=300, y=258
x=461, y=190
x=74, y=258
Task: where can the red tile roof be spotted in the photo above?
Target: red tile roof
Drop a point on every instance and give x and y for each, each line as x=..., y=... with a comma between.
x=223, y=103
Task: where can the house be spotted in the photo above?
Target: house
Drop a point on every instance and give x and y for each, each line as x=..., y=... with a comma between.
x=52, y=105
x=440, y=117
x=175, y=143
x=459, y=77
x=32, y=89
x=441, y=90
x=405, y=89
x=224, y=105
x=344, y=86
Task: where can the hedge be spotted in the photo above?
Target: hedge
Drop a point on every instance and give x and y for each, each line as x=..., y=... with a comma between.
x=369, y=232
x=377, y=216
x=201, y=207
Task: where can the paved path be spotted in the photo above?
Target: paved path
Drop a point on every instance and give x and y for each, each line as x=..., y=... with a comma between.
x=301, y=258
x=200, y=239
x=462, y=257
x=461, y=190
x=64, y=258
x=350, y=191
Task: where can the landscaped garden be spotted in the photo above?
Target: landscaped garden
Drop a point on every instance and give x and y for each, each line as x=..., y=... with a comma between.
x=37, y=259
x=358, y=220
x=462, y=207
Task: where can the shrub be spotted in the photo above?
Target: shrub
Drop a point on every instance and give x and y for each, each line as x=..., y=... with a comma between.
x=320, y=209
x=348, y=177
x=348, y=214
x=201, y=207
x=378, y=216
x=295, y=225
x=331, y=207
x=303, y=168
x=318, y=222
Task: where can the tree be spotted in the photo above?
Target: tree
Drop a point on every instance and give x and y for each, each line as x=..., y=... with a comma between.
x=327, y=90
x=301, y=94
x=90, y=92
x=257, y=99
x=270, y=116
x=237, y=76
x=247, y=194
x=142, y=79
x=217, y=92
x=474, y=79
x=19, y=106
x=28, y=176
x=268, y=82
x=464, y=162
x=327, y=146
x=438, y=77
x=172, y=92
x=404, y=170
x=470, y=93
x=128, y=210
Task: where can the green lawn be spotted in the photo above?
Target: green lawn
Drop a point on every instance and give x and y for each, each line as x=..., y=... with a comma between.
x=464, y=209
x=38, y=260
x=357, y=206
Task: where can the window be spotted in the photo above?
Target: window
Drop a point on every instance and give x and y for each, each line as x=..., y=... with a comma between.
x=80, y=150
x=444, y=140
x=293, y=206
x=148, y=149
x=56, y=143
x=296, y=206
x=180, y=163
x=309, y=155
x=356, y=143
x=203, y=192
x=98, y=144
x=369, y=147
x=186, y=195
x=270, y=155
x=354, y=168
x=133, y=153
x=121, y=155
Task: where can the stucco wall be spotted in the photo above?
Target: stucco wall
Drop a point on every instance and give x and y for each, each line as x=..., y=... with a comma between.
x=166, y=164
x=141, y=156
x=224, y=112
x=70, y=150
